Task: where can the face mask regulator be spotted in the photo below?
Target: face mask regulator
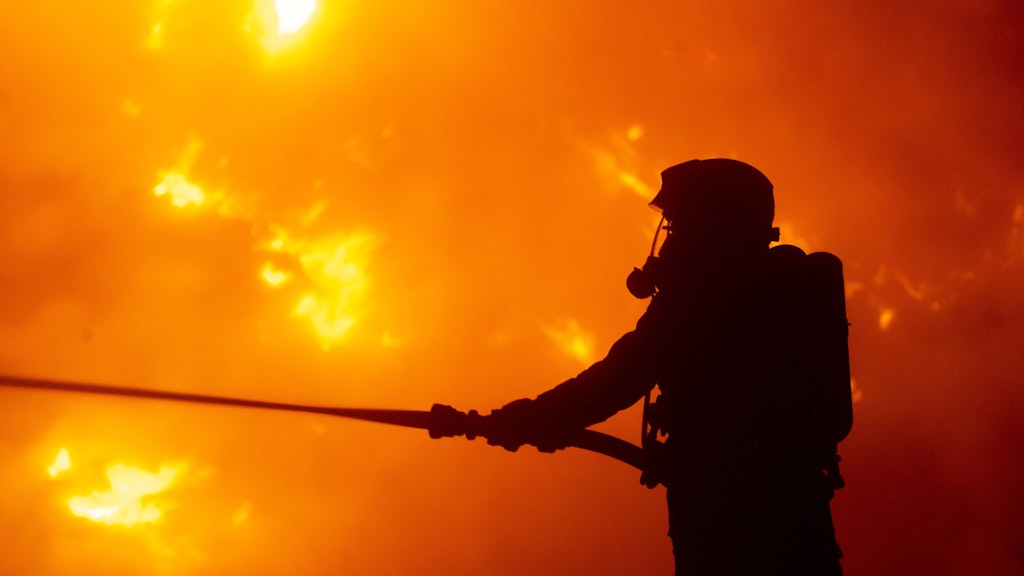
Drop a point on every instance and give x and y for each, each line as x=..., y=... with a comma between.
x=641, y=282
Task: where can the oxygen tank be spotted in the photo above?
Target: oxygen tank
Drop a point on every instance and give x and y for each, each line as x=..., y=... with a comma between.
x=809, y=335
x=827, y=299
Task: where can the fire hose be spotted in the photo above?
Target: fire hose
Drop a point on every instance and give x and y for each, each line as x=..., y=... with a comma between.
x=440, y=421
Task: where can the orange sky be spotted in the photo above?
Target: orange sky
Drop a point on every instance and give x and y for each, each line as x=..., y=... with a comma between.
x=456, y=191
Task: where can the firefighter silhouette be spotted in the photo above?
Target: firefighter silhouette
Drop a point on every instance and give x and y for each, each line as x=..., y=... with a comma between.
x=746, y=347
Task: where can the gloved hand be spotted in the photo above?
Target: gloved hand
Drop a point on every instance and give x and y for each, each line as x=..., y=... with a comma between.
x=509, y=426
x=522, y=422
x=445, y=421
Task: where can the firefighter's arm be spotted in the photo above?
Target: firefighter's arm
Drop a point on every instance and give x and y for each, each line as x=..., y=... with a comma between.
x=606, y=387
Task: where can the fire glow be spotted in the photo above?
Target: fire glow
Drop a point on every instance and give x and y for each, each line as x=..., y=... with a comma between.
x=292, y=15
x=481, y=173
x=572, y=340
x=330, y=271
x=280, y=23
x=123, y=503
x=336, y=272
x=60, y=464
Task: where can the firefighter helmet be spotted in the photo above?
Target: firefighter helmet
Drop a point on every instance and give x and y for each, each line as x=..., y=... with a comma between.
x=717, y=196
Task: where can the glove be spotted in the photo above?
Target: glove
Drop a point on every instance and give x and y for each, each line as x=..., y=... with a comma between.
x=509, y=425
x=445, y=421
x=522, y=422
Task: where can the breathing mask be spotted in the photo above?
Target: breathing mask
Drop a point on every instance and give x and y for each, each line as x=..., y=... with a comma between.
x=643, y=282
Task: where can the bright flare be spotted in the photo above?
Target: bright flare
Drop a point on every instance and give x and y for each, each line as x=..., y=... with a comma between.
x=122, y=503
x=61, y=463
x=292, y=15
x=181, y=191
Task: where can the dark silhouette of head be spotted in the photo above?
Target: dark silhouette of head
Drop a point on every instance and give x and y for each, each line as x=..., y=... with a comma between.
x=721, y=200
x=718, y=211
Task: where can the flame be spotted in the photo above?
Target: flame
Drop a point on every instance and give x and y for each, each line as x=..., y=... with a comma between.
x=331, y=270
x=573, y=341
x=334, y=272
x=336, y=269
x=617, y=162
x=272, y=22
x=855, y=392
x=122, y=503
x=885, y=318
x=609, y=165
x=61, y=463
x=292, y=15
x=181, y=191
x=633, y=183
x=277, y=23
x=273, y=276
x=175, y=183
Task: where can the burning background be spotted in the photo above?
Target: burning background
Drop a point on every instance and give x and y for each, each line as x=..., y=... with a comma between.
x=393, y=204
